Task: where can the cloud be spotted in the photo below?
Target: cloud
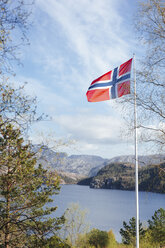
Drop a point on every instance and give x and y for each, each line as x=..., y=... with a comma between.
x=78, y=40
x=72, y=43
x=49, y=101
x=95, y=129
x=103, y=150
x=91, y=30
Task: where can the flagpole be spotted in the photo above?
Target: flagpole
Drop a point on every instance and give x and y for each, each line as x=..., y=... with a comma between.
x=136, y=160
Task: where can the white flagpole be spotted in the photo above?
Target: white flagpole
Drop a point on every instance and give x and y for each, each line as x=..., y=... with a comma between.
x=136, y=160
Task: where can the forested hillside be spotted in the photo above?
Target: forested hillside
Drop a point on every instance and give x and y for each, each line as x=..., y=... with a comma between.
x=122, y=176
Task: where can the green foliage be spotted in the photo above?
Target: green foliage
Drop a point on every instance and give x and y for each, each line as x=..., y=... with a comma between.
x=146, y=241
x=157, y=227
x=97, y=238
x=112, y=240
x=24, y=190
x=51, y=242
x=150, y=237
x=82, y=241
x=128, y=232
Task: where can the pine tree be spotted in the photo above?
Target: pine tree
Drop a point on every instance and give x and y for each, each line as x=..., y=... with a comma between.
x=25, y=189
x=157, y=227
x=128, y=232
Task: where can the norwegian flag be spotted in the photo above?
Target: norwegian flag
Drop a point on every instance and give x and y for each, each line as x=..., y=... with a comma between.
x=111, y=85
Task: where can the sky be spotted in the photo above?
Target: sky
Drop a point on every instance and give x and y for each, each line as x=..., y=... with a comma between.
x=73, y=42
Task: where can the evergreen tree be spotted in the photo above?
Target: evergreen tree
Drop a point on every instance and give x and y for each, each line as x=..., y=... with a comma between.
x=157, y=227
x=128, y=232
x=24, y=190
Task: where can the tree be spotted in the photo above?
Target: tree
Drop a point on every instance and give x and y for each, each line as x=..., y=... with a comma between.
x=146, y=241
x=75, y=223
x=17, y=107
x=128, y=232
x=112, y=240
x=98, y=238
x=82, y=241
x=14, y=23
x=25, y=190
x=157, y=227
x=150, y=25
x=52, y=242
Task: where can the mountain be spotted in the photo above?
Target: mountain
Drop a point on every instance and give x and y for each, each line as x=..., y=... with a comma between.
x=142, y=160
x=90, y=166
x=130, y=159
x=79, y=164
x=69, y=178
x=94, y=168
x=122, y=176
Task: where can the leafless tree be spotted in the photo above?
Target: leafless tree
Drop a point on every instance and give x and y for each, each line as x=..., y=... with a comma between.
x=150, y=24
x=14, y=23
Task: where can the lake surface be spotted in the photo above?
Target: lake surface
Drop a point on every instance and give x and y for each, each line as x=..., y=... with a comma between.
x=107, y=209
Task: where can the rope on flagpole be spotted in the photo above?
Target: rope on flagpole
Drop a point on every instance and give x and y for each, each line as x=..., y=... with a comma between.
x=136, y=158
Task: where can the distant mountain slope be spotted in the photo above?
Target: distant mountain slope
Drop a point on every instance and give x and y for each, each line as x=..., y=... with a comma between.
x=69, y=178
x=142, y=160
x=130, y=159
x=122, y=176
x=88, y=165
x=79, y=164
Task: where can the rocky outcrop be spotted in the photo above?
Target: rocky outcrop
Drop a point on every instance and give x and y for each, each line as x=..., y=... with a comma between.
x=107, y=183
x=130, y=159
x=121, y=176
x=69, y=178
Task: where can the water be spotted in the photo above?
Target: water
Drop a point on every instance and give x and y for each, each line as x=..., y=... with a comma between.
x=107, y=209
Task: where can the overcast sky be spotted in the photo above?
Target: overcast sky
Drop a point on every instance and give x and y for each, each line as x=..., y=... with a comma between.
x=72, y=42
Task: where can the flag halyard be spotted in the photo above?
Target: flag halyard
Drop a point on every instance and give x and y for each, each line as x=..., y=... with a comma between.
x=111, y=85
